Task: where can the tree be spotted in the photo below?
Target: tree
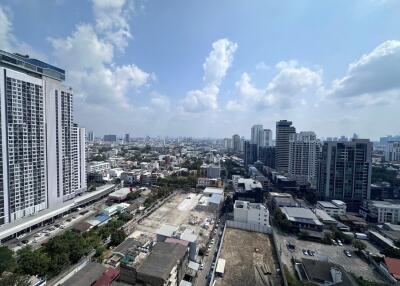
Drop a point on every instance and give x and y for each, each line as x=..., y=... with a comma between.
x=117, y=237
x=391, y=252
x=7, y=260
x=133, y=195
x=359, y=244
x=33, y=262
x=15, y=280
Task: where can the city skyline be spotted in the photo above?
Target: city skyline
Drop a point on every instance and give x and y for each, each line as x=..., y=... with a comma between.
x=216, y=80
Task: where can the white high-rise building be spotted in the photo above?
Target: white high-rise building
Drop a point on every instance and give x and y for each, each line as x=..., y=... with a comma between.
x=392, y=151
x=257, y=132
x=303, y=154
x=37, y=146
x=266, y=138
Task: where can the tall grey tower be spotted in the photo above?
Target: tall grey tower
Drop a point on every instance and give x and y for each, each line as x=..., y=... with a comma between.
x=344, y=171
x=283, y=130
x=38, y=144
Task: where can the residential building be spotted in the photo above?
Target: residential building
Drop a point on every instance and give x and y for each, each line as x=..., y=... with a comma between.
x=250, y=153
x=267, y=156
x=251, y=213
x=283, y=130
x=98, y=167
x=210, y=171
x=257, y=133
x=90, y=136
x=236, y=143
x=344, y=172
x=126, y=138
x=267, y=138
x=303, y=152
x=249, y=190
x=392, y=151
x=42, y=151
x=110, y=138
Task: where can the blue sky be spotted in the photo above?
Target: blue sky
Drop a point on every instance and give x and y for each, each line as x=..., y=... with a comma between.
x=214, y=68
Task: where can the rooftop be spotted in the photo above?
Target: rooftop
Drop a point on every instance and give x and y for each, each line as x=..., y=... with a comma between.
x=167, y=230
x=212, y=190
x=300, y=214
x=326, y=204
x=393, y=266
x=249, y=184
x=161, y=260
x=87, y=275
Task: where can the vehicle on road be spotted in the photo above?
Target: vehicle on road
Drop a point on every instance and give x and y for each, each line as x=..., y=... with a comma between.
x=202, y=266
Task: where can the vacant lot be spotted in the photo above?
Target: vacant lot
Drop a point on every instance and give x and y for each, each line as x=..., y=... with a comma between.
x=178, y=211
x=332, y=253
x=244, y=251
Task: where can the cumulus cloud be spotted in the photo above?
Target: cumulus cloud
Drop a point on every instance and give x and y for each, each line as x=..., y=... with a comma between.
x=373, y=78
x=215, y=68
x=9, y=42
x=286, y=88
x=88, y=56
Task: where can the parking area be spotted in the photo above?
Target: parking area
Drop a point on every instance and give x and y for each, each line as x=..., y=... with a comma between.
x=248, y=255
x=333, y=253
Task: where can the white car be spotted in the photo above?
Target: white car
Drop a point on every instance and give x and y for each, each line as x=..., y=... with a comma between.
x=202, y=266
x=339, y=242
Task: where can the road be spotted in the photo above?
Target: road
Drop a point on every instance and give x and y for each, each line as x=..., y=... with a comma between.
x=203, y=276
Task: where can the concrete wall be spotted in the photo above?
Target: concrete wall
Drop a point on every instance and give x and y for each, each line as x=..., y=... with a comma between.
x=249, y=227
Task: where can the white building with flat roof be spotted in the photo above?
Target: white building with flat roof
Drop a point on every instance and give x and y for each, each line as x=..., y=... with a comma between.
x=251, y=213
x=332, y=208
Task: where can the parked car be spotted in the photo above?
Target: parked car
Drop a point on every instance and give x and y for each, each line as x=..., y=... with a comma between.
x=333, y=242
x=339, y=242
x=305, y=252
x=347, y=253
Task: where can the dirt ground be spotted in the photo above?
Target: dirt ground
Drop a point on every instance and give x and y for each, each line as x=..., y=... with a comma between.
x=178, y=211
x=243, y=251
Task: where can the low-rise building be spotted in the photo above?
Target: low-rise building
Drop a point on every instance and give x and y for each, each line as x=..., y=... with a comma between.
x=98, y=167
x=251, y=213
x=302, y=218
x=332, y=208
x=381, y=211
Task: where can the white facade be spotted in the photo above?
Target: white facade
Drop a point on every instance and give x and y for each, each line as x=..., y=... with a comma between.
x=37, y=144
x=267, y=138
x=99, y=167
x=392, y=151
x=251, y=213
x=332, y=208
x=257, y=133
x=303, y=148
x=385, y=211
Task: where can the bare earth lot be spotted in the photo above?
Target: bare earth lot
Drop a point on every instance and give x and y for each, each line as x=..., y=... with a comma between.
x=243, y=250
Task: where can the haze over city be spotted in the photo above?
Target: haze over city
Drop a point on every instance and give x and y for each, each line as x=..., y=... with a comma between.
x=199, y=143
x=211, y=69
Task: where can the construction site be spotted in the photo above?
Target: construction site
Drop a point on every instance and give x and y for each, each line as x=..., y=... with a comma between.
x=250, y=259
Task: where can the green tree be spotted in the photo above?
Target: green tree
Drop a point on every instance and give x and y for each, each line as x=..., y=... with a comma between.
x=7, y=260
x=58, y=262
x=14, y=279
x=133, y=195
x=117, y=237
x=33, y=262
x=360, y=245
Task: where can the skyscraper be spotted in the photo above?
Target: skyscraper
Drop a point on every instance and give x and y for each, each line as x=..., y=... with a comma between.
x=257, y=134
x=90, y=136
x=250, y=153
x=303, y=154
x=110, y=138
x=236, y=143
x=283, y=130
x=267, y=138
x=38, y=149
x=126, y=138
x=344, y=171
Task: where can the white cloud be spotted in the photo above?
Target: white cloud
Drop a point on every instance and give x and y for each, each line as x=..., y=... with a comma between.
x=374, y=78
x=286, y=88
x=160, y=101
x=9, y=42
x=88, y=56
x=215, y=68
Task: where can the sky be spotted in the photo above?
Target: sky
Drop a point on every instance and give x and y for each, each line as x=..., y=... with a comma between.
x=215, y=68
